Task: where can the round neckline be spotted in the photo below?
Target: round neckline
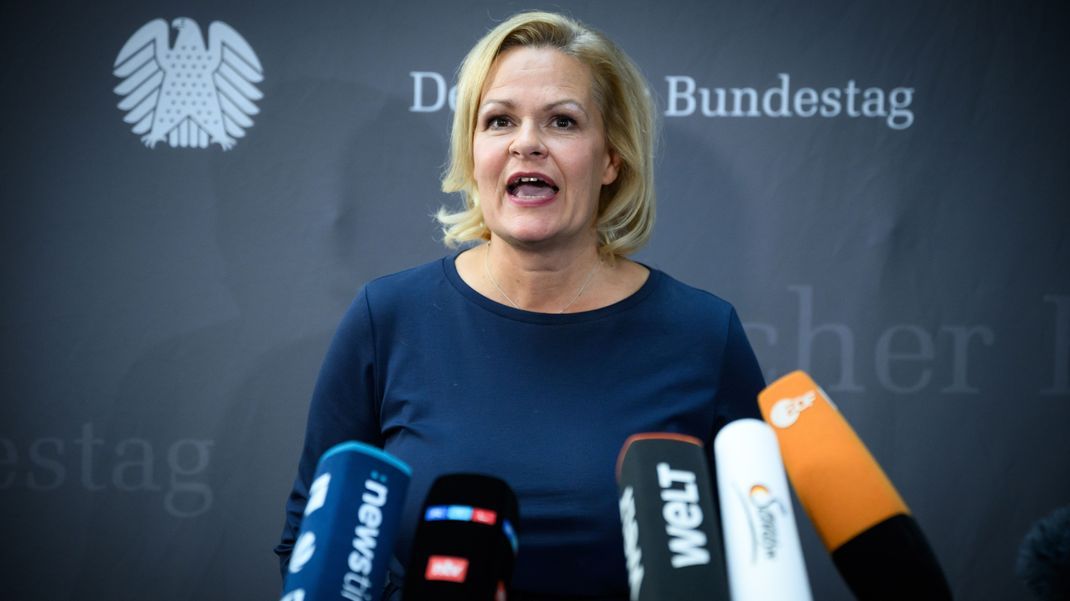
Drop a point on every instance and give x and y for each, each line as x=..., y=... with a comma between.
x=449, y=267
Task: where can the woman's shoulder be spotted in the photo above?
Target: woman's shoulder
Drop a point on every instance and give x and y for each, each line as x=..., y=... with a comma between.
x=687, y=299
x=403, y=295
x=398, y=290
x=409, y=281
x=689, y=316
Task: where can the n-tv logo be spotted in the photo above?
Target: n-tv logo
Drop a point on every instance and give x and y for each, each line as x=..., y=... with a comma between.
x=446, y=568
x=188, y=94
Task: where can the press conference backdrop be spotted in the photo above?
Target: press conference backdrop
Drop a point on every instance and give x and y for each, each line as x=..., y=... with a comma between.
x=880, y=189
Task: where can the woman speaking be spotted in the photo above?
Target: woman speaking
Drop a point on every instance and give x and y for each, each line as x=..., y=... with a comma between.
x=536, y=350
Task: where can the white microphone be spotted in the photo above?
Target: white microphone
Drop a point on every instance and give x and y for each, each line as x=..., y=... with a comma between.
x=762, y=550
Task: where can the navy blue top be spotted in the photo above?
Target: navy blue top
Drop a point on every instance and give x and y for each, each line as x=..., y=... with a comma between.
x=450, y=381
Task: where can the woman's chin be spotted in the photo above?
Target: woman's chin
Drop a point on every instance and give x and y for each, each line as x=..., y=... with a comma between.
x=540, y=238
x=541, y=230
x=526, y=238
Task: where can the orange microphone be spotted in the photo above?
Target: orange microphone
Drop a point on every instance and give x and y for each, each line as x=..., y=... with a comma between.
x=875, y=543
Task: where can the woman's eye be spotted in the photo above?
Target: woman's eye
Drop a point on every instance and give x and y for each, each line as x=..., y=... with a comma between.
x=564, y=122
x=497, y=121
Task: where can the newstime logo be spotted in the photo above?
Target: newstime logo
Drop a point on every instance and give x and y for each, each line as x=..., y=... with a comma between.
x=356, y=585
x=685, y=98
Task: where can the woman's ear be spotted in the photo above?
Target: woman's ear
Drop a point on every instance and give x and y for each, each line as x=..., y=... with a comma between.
x=609, y=175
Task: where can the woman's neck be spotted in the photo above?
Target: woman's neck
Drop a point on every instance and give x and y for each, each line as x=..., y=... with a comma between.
x=540, y=280
x=563, y=281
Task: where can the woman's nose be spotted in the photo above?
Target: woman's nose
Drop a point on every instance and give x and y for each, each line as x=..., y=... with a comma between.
x=528, y=142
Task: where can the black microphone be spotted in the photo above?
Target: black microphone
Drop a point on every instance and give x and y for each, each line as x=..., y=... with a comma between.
x=465, y=544
x=672, y=536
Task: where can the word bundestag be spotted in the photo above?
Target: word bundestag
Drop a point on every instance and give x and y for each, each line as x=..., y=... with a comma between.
x=685, y=98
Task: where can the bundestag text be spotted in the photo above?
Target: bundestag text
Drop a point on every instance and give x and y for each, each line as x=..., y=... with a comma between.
x=685, y=98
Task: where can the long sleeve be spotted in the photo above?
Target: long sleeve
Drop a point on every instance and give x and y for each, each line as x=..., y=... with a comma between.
x=345, y=406
x=741, y=377
x=448, y=380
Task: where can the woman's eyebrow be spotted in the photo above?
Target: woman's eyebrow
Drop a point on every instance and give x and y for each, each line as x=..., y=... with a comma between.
x=509, y=104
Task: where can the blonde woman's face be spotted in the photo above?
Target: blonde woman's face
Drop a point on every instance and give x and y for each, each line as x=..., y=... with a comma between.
x=539, y=150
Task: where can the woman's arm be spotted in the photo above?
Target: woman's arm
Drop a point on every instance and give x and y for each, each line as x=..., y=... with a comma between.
x=345, y=406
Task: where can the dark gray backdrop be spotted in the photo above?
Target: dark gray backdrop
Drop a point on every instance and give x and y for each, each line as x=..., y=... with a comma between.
x=166, y=309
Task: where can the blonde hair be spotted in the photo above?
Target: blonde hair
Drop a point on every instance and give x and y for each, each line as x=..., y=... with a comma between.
x=626, y=207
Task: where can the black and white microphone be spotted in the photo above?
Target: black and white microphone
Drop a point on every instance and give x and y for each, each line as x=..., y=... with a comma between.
x=672, y=540
x=350, y=523
x=465, y=545
x=762, y=548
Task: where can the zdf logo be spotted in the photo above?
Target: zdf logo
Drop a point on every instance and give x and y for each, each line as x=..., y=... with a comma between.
x=786, y=411
x=188, y=94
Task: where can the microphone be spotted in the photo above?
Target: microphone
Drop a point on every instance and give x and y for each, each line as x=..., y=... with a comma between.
x=1044, y=557
x=672, y=541
x=762, y=548
x=465, y=543
x=350, y=522
x=875, y=543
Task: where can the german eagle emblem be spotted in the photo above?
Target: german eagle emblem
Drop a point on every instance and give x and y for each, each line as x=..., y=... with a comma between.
x=187, y=94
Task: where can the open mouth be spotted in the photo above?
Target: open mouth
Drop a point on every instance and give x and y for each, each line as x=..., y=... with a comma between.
x=531, y=187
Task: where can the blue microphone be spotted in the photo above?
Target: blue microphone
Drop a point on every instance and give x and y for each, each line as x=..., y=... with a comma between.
x=350, y=522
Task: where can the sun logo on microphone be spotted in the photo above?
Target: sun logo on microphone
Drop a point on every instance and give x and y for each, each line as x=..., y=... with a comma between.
x=759, y=494
x=764, y=520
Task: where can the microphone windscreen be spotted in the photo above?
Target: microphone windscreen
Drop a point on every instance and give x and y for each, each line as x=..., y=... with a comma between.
x=762, y=548
x=465, y=544
x=672, y=539
x=837, y=480
x=875, y=543
x=349, y=526
x=1044, y=557
x=891, y=560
